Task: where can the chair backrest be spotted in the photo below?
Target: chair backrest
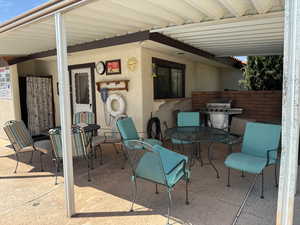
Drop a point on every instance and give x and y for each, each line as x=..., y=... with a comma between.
x=84, y=117
x=145, y=161
x=80, y=146
x=18, y=134
x=188, y=119
x=261, y=137
x=127, y=129
x=238, y=125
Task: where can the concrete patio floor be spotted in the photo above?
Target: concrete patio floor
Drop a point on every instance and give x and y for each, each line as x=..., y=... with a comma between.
x=30, y=197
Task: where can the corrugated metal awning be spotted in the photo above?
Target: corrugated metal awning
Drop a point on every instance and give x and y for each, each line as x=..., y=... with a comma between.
x=222, y=27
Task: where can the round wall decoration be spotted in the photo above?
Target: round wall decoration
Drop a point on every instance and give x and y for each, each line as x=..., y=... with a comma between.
x=100, y=67
x=132, y=64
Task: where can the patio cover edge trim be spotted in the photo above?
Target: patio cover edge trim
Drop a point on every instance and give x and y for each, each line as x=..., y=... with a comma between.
x=130, y=38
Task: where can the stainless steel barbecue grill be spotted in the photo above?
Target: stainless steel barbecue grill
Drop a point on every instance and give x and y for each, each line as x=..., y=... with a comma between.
x=219, y=112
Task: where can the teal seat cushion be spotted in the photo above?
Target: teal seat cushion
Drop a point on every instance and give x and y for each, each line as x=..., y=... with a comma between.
x=162, y=162
x=131, y=145
x=180, y=142
x=246, y=162
x=187, y=119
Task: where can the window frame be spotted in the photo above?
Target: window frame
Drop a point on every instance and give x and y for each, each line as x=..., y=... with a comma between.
x=170, y=65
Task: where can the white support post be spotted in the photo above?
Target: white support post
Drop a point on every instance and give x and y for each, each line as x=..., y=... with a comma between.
x=65, y=112
x=290, y=114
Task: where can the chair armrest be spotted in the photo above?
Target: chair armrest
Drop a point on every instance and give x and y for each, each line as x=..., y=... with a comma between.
x=268, y=154
x=180, y=163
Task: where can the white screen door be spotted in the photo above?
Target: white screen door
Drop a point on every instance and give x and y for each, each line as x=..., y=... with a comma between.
x=82, y=90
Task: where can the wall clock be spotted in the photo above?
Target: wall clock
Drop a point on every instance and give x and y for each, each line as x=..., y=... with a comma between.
x=132, y=64
x=100, y=67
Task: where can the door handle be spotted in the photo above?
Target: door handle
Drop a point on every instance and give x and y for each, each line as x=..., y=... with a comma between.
x=90, y=105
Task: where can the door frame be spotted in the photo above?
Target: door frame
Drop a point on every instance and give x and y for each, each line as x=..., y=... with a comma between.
x=92, y=68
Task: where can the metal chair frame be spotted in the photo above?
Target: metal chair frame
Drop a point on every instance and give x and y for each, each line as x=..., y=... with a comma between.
x=148, y=148
x=87, y=155
x=18, y=150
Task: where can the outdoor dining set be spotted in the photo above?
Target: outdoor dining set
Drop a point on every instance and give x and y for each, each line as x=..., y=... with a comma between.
x=152, y=159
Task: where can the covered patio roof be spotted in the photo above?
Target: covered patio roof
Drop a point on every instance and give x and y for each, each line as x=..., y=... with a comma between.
x=249, y=27
x=221, y=27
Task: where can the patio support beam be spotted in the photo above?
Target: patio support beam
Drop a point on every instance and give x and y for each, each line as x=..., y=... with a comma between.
x=65, y=112
x=290, y=114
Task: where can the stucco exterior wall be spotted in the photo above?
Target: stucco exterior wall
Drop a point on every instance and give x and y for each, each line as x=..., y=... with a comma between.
x=198, y=76
x=140, y=97
x=230, y=78
x=133, y=97
x=10, y=108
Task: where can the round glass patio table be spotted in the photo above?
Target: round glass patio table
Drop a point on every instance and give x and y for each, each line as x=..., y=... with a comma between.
x=197, y=135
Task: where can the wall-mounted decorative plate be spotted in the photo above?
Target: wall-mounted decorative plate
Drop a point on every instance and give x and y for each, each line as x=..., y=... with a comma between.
x=132, y=64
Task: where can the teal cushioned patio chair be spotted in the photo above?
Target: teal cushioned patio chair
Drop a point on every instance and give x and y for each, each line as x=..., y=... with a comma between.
x=187, y=119
x=22, y=141
x=80, y=148
x=128, y=132
x=259, y=150
x=157, y=164
x=84, y=117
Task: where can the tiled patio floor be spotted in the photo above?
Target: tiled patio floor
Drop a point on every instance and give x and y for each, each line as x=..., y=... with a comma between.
x=31, y=198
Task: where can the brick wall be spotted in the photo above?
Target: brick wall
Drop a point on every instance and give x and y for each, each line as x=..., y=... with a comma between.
x=258, y=105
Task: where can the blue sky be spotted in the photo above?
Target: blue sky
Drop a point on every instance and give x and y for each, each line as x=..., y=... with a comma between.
x=12, y=8
x=242, y=58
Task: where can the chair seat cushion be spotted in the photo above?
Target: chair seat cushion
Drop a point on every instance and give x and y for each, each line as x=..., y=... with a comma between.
x=149, y=167
x=112, y=139
x=248, y=163
x=97, y=140
x=180, y=142
x=43, y=146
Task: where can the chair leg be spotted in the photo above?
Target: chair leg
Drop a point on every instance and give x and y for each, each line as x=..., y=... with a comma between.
x=31, y=157
x=125, y=157
x=57, y=170
x=276, y=178
x=200, y=155
x=262, y=185
x=156, y=189
x=169, y=206
x=115, y=147
x=90, y=158
x=229, y=149
x=17, y=158
x=41, y=161
x=187, y=192
x=228, y=177
x=101, y=155
x=92, y=161
x=243, y=174
x=134, y=193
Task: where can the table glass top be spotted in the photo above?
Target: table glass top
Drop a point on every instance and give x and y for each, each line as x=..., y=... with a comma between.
x=197, y=134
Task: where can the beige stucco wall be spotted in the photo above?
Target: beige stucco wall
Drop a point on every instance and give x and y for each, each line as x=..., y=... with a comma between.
x=139, y=99
x=230, y=78
x=198, y=76
x=10, y=108
x=207, y=78
x=133, y=97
